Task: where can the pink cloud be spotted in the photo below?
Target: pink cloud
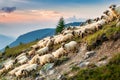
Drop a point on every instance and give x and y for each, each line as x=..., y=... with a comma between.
x=29, y=16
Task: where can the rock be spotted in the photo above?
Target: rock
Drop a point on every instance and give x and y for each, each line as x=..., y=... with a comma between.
x=46, y=69
x=51, y=72
x=101, y=63
x=42, y=72
x=118, y=24
x=61, y=77
x=48, y=66
x=39, y=78
x=83, y=64
x=89, y=54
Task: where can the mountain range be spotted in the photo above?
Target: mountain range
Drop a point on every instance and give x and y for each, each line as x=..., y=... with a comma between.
x=31, y=36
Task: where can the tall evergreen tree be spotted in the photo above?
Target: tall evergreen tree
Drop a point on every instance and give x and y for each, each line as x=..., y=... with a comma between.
x=60, y=26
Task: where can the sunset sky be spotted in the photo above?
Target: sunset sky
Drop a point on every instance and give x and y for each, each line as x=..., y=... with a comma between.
x=29, y=15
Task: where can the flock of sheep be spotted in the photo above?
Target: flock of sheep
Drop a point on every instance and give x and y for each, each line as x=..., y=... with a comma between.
x=40, y=53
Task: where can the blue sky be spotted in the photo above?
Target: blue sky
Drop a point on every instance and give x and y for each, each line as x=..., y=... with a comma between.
x=37, y=14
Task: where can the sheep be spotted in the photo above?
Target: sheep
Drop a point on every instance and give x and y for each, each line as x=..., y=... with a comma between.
x=59, y=52
x=113, y=11
x=58, y=39
x=36, y=46
x=42, y=51
x=19, y=73
x=47, y=58
x=71, y=46
x=67, y=37
x=105, y=17
x=2, y=70
x=22, y=54
x=12, y=72
x=50, y=43
x=31, y=67
x=67, y=31
x=31, y=52
x=22, y=59
x=34, y=59
x=8, y=64
x=24, y=71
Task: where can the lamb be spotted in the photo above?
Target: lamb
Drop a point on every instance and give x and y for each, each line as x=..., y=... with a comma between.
x=71, y=46
x=47, y=58
x=42, y=51
x=59, y=52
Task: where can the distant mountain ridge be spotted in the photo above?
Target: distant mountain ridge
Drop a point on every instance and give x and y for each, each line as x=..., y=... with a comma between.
x=38, y=34
x=5, y=40
x=73, y=24
x=32, y=36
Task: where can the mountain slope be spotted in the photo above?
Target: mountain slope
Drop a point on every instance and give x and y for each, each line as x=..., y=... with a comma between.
x=38, y=34
x=32, y=36
x=5, y=40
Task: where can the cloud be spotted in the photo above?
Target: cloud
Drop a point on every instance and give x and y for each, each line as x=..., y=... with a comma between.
x=20, y=16
x=8, y=9
x=74, y=19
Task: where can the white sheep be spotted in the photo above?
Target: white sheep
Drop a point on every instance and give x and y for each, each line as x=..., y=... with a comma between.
x=12, y=72
x=50, y=42
x=113, y=11
x=42, y=51
x=8, y=64
x=31, y=52
x=47, y=58
x=22, y=59
x=58, y=39
x=67, y=37
x=36, y=46
x=59, y=52
x=34, y=59
x=31, y=67
x=22, y=54
x=67, y=32
x=2, y=70
x=71, y=46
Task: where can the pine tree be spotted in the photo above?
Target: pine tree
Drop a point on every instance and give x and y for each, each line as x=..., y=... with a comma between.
x=60, y=25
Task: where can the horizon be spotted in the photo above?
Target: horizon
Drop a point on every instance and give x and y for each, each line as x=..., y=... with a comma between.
x=18, y=17
x=22, y=16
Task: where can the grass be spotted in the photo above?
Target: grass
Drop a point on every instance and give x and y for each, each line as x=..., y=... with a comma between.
x=14, y=51
x=107, y=32
x=109, y=72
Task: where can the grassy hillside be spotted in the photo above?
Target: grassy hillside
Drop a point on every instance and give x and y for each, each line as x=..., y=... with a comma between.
x=14, y=51
x=108, y=32
x=108, y=72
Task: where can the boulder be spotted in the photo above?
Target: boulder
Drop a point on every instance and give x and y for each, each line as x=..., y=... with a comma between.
x=89, y=54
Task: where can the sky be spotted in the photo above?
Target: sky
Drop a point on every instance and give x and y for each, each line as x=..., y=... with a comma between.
x=18, y=17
